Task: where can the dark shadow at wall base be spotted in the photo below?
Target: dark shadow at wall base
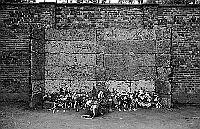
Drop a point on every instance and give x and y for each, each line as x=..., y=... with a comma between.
x=178, y=105
x=22, y=105
x=20, y=100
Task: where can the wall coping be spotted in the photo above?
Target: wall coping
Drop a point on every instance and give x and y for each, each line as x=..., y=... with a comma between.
x=107, y=4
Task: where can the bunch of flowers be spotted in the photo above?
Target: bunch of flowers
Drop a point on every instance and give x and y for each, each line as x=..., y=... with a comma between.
x=147, y=99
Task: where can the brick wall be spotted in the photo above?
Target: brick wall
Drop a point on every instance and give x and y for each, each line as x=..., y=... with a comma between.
x=110, y=46
x=186, y=53
x=21, y=49
x=14, y=51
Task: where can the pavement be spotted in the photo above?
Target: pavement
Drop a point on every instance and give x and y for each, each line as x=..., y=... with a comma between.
x=18, y=116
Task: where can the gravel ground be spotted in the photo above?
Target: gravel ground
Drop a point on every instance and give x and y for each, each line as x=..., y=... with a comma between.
x=15, y=116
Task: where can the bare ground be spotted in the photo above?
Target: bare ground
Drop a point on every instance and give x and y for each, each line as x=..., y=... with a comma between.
x=16, y=116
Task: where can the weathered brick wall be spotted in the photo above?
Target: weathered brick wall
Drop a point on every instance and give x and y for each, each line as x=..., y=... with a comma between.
x=21, y=54
x=180, y=28
x=14, y=59
x=186, y=40
x=111, y=46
